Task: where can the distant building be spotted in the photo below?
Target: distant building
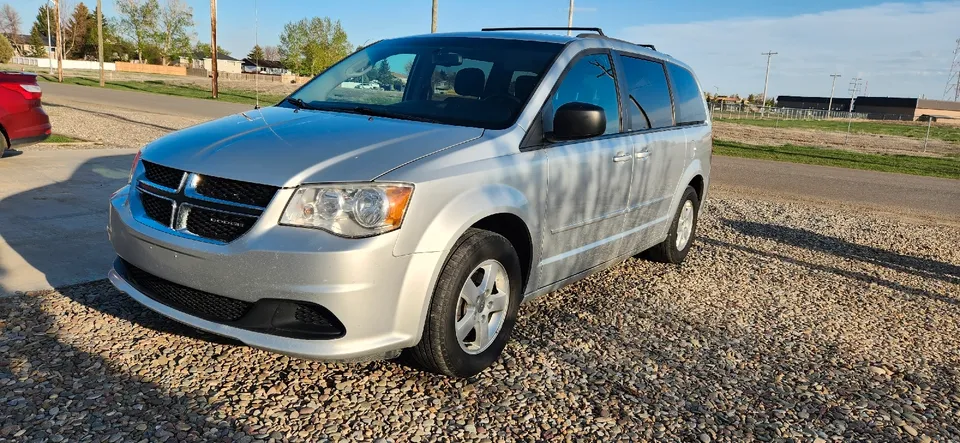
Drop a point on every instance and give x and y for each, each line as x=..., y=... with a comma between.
x=21, y=44
x=266, y=67
x=879, y=108
x=225, y=63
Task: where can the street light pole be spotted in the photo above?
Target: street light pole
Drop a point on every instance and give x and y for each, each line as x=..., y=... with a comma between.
x=832, y=89
x=433, y=19
x=570, y=18
x=766, y=79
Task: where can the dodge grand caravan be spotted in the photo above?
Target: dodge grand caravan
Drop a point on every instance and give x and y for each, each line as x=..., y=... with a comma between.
x=479, y=171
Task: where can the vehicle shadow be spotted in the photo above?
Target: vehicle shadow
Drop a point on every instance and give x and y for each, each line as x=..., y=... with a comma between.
x=802, y=238
x=10, y=153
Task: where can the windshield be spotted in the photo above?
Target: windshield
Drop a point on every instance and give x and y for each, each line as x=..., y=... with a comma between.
x=479, y=82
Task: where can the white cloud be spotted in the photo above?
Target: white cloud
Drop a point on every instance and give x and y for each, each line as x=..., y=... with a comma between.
x=900, y=49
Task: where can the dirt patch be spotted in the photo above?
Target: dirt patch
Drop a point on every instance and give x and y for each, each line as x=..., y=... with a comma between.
x=869, y=143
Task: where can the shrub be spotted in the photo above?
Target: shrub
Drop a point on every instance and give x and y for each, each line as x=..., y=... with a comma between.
x=6, y=50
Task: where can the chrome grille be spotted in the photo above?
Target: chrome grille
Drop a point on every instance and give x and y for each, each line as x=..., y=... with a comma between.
x=162, y=175
x=222, y=213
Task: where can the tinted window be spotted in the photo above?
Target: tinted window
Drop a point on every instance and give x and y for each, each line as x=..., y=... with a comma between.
x=589, y=80
x=647, y=93
x=690, y=107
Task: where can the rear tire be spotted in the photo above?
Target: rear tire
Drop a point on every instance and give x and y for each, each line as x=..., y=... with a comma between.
x=462, y=338
x=683, y=231
x=3, y=144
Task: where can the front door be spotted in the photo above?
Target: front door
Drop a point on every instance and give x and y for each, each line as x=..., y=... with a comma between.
x=587, y=180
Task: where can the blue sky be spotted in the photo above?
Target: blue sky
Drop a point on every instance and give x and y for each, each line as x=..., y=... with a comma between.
x=899, y=48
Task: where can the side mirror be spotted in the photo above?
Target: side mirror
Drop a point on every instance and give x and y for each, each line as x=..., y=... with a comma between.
x=577, y=120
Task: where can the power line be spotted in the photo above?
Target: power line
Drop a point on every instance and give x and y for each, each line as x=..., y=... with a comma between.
x=953, y=81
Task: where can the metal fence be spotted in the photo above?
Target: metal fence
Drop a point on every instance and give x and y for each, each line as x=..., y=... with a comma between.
x=911, y=135
x=742, y=111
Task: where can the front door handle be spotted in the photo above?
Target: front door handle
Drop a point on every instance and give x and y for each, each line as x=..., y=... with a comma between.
x=621, y=157
x=643, y=155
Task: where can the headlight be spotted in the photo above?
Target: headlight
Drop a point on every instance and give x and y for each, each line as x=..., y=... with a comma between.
x=349, y=210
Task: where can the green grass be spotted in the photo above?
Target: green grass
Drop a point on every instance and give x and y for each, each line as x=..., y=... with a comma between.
x=160, y=87
x=904, y=164
x=57, y=138
x=916, y=130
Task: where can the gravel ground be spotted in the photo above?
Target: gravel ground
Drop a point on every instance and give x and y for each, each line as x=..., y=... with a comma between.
x=871, y=143
x=108, y=126
x=788, y=321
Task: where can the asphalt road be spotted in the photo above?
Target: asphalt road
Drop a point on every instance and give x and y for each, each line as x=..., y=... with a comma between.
x=142, y=101
x=911, y=195
x=53, y=203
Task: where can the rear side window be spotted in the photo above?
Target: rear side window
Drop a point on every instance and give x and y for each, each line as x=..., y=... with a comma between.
x=689, y=100
x=648, y=96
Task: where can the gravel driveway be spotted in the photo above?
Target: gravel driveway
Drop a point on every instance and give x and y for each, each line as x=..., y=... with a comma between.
x=787, y=320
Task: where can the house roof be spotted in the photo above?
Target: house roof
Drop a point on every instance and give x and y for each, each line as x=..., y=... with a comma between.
x=200, y=56
x=273, y=64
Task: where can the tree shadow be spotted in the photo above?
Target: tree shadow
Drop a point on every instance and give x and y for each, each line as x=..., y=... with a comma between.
x=112, y=116
x=921, y=267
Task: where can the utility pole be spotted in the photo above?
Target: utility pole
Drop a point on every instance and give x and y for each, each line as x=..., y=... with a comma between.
x=56, y=6
x=953, y=80
x=49, y=41
x=854, y=89
x=213, y=46
x=100, y=38
x=570, y=18
x=833, y=88
x=766, y=78
x=433, y=19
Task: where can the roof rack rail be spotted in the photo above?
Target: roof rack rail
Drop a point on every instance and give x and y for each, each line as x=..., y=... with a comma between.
x=645, y=45
x=545, y=28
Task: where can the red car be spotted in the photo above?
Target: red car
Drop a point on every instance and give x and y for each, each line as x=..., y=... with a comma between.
x=22, y=120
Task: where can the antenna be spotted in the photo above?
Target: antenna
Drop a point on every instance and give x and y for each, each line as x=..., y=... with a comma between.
x=953, y=81
x=256, y=62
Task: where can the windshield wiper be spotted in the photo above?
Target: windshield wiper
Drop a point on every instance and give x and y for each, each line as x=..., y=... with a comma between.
x=374, y=112
x=300, y=104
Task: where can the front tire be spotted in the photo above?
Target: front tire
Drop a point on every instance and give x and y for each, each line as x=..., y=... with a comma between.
x=474, y=307
x=683, y=231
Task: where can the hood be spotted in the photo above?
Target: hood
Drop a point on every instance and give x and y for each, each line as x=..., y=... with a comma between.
x=281, y=147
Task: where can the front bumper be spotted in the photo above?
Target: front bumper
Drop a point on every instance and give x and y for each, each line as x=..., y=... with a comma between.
x=380, y=299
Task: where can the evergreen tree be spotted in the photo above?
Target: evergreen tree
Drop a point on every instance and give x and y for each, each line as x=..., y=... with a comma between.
x=38, y=47
x=256, y=54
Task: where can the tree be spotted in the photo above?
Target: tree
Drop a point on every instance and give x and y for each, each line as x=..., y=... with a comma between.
x=6, y=50
x=10, y=22
x=76, y=31
x=271, y=53
x=174, y=30
x=138, y=20
x=38, y=47
x=204, y=48
x=307, y=47
x=384, y=74
x=256, y=54
x=40, y=23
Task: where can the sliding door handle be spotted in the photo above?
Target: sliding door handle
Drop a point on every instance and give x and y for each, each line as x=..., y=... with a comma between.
x=643, y=155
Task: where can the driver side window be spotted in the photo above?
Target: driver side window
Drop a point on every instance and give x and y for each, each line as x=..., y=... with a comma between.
x=590, y=80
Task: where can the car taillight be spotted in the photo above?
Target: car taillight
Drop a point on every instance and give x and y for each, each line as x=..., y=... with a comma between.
x=28, y=91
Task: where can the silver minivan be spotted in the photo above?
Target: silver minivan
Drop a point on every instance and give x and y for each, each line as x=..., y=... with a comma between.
x=485, y=169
